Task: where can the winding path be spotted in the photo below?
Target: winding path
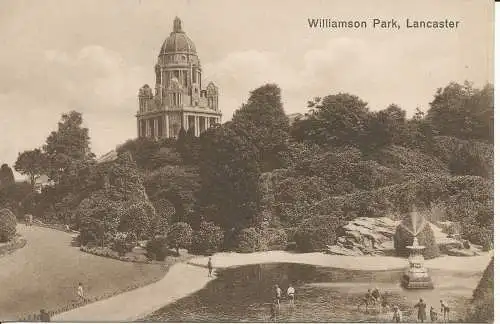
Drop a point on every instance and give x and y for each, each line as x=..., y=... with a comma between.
x=46, y=272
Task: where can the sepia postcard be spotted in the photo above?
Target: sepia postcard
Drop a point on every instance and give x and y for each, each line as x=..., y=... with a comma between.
x=246, y=161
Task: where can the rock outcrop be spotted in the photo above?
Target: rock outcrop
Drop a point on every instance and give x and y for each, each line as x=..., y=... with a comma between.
x=364, y=236
x=374, y=236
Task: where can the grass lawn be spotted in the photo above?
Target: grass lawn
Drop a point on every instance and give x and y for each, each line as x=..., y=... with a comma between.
x=322, y=295
x=46, y=272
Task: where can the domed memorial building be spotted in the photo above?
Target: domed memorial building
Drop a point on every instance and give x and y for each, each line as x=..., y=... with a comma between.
x=179, y=101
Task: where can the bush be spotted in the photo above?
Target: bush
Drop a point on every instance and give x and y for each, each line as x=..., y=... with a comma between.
x=248, y=240
x=402, y=238
x=208, y=239
x=482, y=304
x=318, y=232
x=179, y=236
x=123, y=243
x=156, y=249
x=8, y=225
x=274, y=239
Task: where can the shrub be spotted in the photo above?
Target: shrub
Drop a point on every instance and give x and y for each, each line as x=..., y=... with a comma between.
x=123, y=243
x=248, y=240
x=482, y=304
x=7, y=225
x=208, y=239
x=403, y=238
x=179, y=236
x=156, y=249
x=274, y=239
x=318, y=232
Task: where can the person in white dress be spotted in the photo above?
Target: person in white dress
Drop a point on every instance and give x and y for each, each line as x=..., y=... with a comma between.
x=291, y=295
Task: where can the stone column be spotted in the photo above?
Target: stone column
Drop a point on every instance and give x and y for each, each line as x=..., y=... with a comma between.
x=138, y=128
x=196, y=125
x=155, y=128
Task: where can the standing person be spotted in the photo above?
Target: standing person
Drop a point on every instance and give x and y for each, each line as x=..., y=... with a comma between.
x=366, y=300
x=376, y=295
x=385, y=302
x=291, y=295
x=398, y=316
x=44, y=316
x=421, y=310
x=445, y=310
x=81, y=297
x=30, y=219
x=273, y=311
x=210, y=266
x=433, y=314
x=277, y=295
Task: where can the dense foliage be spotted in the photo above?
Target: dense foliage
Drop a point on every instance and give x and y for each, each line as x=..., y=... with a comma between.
x=7, y=225
x=208, y=239
x=260, y=180
x=317, y=232
x=179, y=236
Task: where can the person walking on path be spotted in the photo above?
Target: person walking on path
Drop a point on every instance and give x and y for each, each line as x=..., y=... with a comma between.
x=44, y=316
x=81, y=296
x=291, y=295
x=274, y=312
x=421, y=310
x=397, y=316
x=445, y=310
x=210, y=266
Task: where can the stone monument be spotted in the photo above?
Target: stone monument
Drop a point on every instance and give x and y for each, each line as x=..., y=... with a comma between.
x=416, y=276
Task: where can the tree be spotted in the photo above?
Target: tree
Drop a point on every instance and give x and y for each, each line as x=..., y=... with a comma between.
x=462, y=111
x=336, y=120
x=266, y=124
x=208, y=239
x=98, y=217
x=70, y=142
x=179, y=236
x=385, y=127
x=229, y=172
x=138, y=219
x=6, y=176
x=31, y=163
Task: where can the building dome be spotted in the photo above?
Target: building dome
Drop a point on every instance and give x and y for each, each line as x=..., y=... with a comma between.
x=178, y=41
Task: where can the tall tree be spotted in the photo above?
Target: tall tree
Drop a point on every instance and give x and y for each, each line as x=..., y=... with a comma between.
x=31, y=163
x=264, y=120
x=70, y=142
x=462, y=111
x=229, y=172
x=6, y=176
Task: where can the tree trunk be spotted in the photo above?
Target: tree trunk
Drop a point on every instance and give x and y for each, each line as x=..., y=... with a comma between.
x=177, y=249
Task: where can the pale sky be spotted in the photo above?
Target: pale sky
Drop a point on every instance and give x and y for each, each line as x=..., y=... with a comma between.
x=93, y=55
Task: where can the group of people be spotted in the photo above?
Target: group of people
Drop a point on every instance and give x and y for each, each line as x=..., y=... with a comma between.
x=380, y=301
x=374, y=297
x=422, y=311
x=28, y=219
x=278, y=296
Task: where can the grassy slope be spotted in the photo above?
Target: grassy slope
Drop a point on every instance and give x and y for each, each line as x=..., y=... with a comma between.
x=46, y=272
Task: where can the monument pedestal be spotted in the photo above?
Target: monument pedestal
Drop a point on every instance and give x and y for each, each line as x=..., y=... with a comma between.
x=416, y=276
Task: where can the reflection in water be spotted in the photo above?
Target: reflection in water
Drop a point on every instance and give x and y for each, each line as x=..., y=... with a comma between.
x=322, y=294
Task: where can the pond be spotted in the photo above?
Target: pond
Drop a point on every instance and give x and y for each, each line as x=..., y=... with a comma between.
x=243, y=294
